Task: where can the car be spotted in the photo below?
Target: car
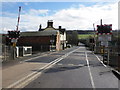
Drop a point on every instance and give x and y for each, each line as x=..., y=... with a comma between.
x=69, y=45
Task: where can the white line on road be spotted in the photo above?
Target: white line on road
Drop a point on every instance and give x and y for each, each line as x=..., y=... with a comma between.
x=59, y=64
x=38, y=57
x=26, y=80
x=106, y=65
x=81, y=65
x=100, y=61
x=35, y=57
x=92, y=82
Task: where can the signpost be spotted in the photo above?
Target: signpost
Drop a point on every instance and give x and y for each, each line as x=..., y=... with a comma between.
x=104, y=33
x=104, y=38
x=14, y=35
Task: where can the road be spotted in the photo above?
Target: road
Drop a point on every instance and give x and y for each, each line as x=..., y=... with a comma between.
x=76, y=67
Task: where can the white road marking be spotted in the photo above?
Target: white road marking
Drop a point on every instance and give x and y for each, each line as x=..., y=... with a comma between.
x=35, y=57
x=39, y=56
x=91, y=78
x=26, y=80
x=81, y=65
x=59, y=64
x=106, y=65
x=100, y=61
x=81, y=54
x=71, y=64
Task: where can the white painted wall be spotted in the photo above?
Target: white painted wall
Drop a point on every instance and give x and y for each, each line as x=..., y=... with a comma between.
x=63, y=37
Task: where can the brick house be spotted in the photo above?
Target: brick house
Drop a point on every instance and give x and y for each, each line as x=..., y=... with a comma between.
x=44, y=39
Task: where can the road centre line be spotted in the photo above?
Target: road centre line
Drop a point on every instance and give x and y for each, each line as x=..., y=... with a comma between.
x=91, y=77
x=26, y=80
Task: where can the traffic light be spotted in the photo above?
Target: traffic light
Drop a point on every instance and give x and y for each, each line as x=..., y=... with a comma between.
x=8, y=41
x=100, y=28
x=104, y=29
x=16, y=34
x=107, y=28
x=13, y=34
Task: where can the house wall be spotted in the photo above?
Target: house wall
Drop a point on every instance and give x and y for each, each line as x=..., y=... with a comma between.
x=63, y=40
x=38, y=43
x=63, y=36
x=58, y=46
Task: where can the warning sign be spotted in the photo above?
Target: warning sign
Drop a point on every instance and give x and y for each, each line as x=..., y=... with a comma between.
x=104, y=38
x=104, y=44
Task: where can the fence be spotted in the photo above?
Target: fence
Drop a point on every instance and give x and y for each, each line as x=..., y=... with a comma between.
x=6, y=52
x=114, y=57
x=11, y=53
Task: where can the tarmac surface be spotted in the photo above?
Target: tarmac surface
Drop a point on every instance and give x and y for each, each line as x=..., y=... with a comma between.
x=75, y=67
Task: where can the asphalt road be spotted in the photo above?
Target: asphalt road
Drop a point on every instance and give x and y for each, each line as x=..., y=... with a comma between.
x=77, y=68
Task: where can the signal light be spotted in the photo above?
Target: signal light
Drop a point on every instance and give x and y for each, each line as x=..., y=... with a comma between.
x=13, y=34
x=104, y=29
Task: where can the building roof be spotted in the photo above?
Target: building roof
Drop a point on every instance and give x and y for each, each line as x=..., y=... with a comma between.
x=40, y=33
x=48, y=31
x=49, y=28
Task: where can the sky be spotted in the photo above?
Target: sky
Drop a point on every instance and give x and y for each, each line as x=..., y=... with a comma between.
x=69, y=15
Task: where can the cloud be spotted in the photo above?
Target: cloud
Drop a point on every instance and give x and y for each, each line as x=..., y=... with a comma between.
x=61, y=1
x=38, y=12
x=8, y=23
x=76, y=18
x=84, y=17
x=9, y=14
x=26, y=3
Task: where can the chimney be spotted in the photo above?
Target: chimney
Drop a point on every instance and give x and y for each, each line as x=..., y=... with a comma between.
x=40, y=27
x=60, y=27
x=101, y=22
x=50, y=23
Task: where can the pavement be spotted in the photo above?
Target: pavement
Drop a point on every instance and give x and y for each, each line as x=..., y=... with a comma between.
x=9, y=63
x=13, y=70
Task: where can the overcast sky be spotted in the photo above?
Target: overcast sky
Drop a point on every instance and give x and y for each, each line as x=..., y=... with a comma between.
x=69, y=15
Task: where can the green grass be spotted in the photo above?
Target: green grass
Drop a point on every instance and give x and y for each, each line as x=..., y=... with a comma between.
x=84, y=36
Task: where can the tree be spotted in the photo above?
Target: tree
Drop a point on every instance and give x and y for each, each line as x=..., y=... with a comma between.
x=72, y=38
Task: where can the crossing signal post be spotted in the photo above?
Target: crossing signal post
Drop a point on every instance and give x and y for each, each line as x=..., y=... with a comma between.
x=14, y=35
x=12, y=38
x=104, y=33
x=104, y=29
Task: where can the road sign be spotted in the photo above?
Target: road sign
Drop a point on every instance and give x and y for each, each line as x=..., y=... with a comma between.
x=14, y=40
x=104, y=29
x=104, y=44
x=13, y=34
x=104, y=38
